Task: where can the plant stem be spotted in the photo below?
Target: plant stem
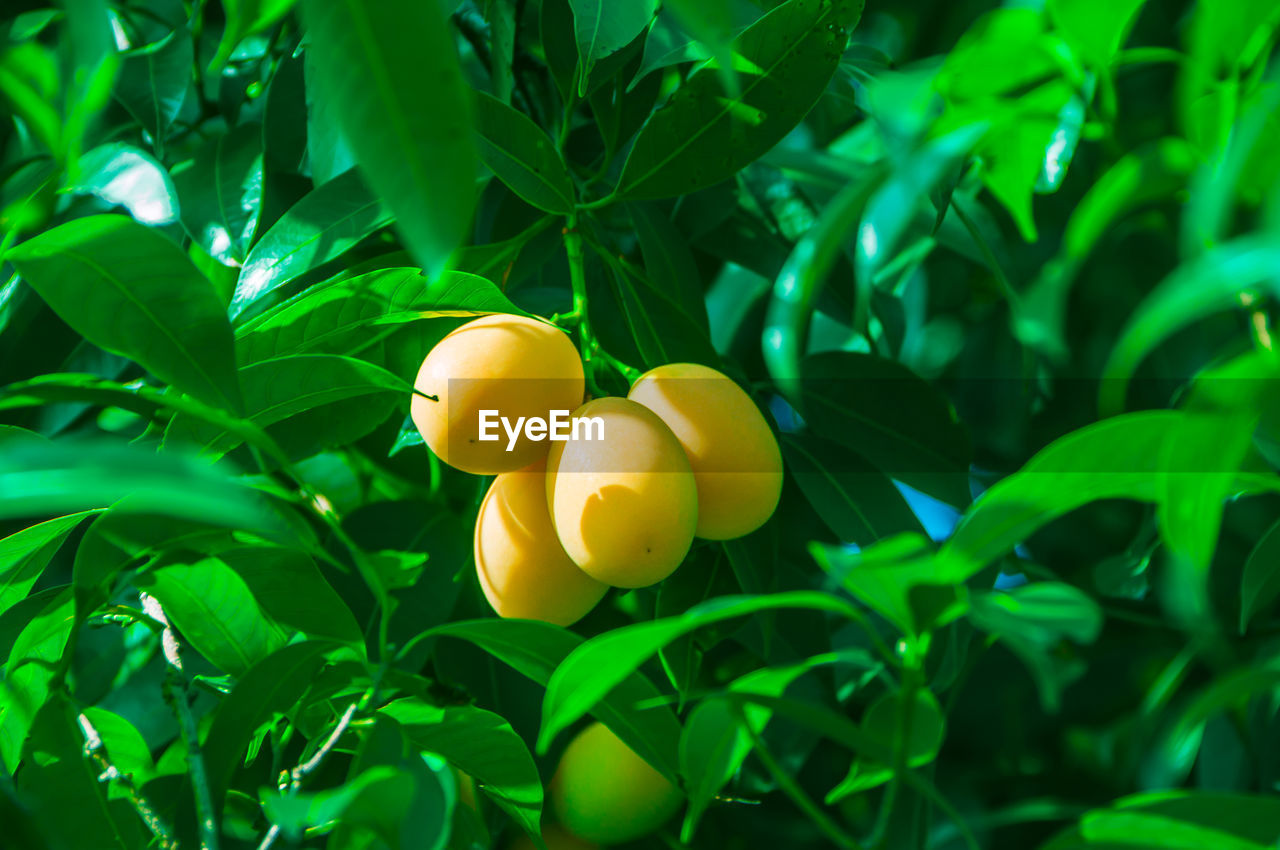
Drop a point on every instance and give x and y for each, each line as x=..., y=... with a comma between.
x=108, y=772
x=793, y=790
x=578, y=280
x=176, y=688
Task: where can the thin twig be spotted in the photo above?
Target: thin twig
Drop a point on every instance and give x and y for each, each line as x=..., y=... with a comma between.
x=297, y=774
x=108, y=772
x=176, y=688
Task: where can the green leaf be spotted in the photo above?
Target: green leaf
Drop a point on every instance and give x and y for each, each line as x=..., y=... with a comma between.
x=889, y=415
x=65, y=477
x=1210, y=283
x=715, y=742
x=330, y=219
x=125, y=747
x=899, y=578
x=882, y=724
x=701, y=136
x=1096, y=28
x=124, y=176
x=293, y=592
x=391, y=75
x=272, y=687
x=129, y=290
x=522, y=156
x=593, y=669
x=856, y=500
x=671, y=267
x=600, y=32
x=1043, y=613
x=482, y=745
x=296, y=812
x=215, y=611
x=306, y=402
x=153, y=82
x=1260, y=583
x=25, y=554
x=244, y=18
x=62, y=785
x=33, y=666
x=221, y=193
x=535, y=650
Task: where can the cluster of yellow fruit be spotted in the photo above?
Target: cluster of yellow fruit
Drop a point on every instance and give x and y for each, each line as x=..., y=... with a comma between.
x=685, y=454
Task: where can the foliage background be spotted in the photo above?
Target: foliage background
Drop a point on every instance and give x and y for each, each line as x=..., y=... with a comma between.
x=946, y=244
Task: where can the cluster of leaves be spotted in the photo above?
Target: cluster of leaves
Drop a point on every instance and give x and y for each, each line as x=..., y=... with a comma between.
x=947, y=250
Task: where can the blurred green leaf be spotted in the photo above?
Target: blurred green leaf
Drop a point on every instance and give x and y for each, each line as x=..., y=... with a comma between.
x=391, y=73
x=1260, y=583
x=1043, y=613
x=522, y=156
x=244, y=18
x=25, y=554
x=882, y=723
x=700, y=136
x=124, y=176
x=115, y=282
x=1096, y=28
x=328, y=221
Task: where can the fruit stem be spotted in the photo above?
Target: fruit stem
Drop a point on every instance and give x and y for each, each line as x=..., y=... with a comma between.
x=578, y=280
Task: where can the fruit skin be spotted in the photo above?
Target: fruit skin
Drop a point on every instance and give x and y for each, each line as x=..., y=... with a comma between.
x=556, y=838
x=512, y=364
x=604, y=792
x=733, y=453
x=624, y=507
x=523, y=570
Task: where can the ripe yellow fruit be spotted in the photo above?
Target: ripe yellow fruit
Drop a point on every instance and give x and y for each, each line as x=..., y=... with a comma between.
x=602, y=791
x=733, y=454
x=523, y=570
x=625, y=506
x=556, y=838
x=511, y=364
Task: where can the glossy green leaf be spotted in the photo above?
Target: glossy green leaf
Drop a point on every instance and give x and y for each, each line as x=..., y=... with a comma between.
x=593, y=669
x=273, y=686
x=700, y=136
x=480, y=744
x=122, y=175
x=601, y=29
x=522, y=156
x=221, y=193
x=215, y=611
x=130, y=290
x=296, y=813
x=326, y=222
x=25, y=554
x=391, y=73
x=32, y=668
x=125, y=747
x=153, y=83
x=537, y=649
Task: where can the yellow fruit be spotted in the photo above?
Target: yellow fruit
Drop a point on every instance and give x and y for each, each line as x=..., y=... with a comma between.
x=556, y=838
x=517, y=366
x=625, y=506
x=733, y=454
x=604, y=792
x=523, y=570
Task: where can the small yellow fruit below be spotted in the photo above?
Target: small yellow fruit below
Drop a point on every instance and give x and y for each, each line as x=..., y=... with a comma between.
x=523, y=570
x=733, y=454
x=556, y=838
x=604, y=792
x=517, y=366
x=625, y=506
